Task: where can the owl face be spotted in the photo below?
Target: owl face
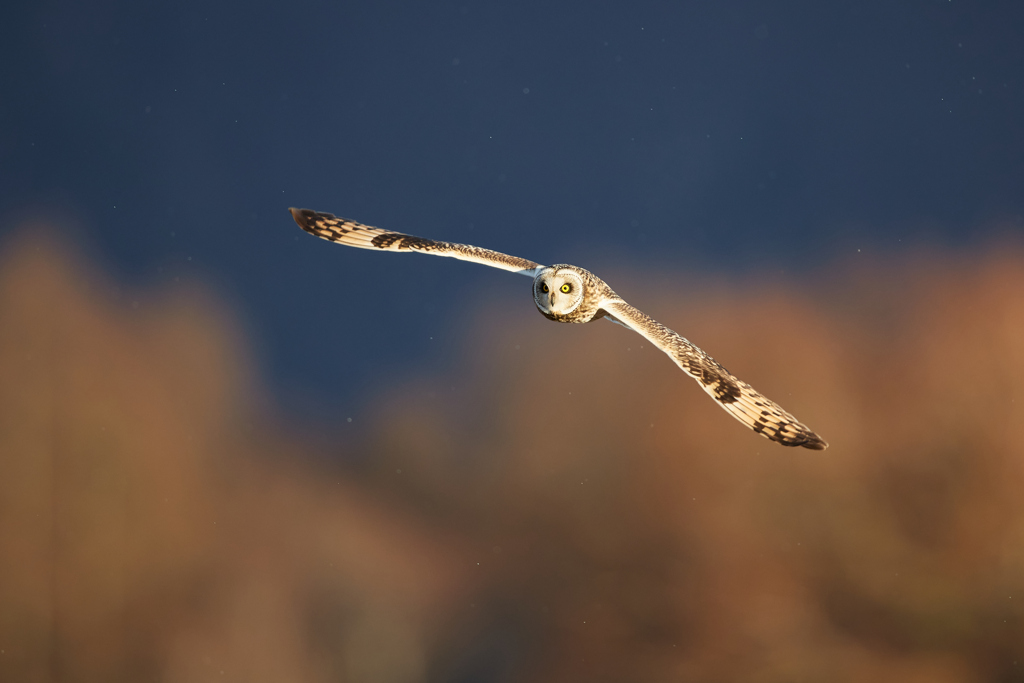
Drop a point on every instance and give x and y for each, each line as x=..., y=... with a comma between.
x=558, y=291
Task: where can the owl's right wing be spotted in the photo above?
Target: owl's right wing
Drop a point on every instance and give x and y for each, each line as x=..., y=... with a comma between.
x=739, y=399
x=344, y=231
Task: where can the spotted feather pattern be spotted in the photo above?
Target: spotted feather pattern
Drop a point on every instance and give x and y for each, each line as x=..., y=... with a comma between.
x=353, y=234
x=739, y=399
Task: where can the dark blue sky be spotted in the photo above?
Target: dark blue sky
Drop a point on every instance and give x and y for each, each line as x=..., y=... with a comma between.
x=722, y=136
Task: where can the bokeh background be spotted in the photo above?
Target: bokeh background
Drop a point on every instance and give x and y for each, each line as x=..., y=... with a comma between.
x=230, y=451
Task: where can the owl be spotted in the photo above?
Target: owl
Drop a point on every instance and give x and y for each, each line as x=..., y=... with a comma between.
x=569, y=294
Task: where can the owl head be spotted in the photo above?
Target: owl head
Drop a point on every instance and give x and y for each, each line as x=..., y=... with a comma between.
x=558, y=290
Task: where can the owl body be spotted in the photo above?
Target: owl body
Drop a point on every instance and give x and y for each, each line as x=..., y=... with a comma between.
x=569, y=294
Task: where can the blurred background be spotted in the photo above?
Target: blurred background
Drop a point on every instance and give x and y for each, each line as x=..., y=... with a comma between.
x=230, y=451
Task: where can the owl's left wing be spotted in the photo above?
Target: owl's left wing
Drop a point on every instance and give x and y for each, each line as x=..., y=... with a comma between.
x=344, y=231
x=741, y=400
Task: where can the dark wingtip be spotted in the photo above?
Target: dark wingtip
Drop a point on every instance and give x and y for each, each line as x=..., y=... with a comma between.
x=816, y=443
x=304, y=217
x=307, y=219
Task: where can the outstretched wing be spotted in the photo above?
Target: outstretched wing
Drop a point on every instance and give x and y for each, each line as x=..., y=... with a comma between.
x=740, y=399
x=344, y=231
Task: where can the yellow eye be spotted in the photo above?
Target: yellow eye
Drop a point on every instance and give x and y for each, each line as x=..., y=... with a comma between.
x=566, y=288
x=544, y=288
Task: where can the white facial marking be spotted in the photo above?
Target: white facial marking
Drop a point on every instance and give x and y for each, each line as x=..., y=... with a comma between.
x=558, y=292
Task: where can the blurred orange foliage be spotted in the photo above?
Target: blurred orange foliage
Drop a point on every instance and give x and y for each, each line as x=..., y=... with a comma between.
x=564, y=506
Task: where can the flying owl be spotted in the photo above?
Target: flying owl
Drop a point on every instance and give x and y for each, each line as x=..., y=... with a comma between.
x=569, y=294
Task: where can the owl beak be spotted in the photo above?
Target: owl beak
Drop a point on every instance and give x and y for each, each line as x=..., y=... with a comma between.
x=551, y=298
